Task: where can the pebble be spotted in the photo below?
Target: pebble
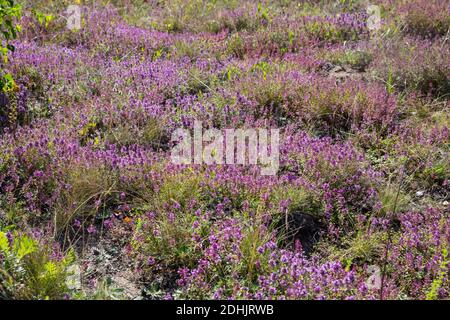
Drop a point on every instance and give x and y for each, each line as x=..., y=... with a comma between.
x=420, y=193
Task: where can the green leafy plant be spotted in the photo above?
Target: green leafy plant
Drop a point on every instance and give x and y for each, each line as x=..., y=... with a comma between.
x=30, y=270
x=8, y=13
x=263, y=12
x=42, y=18
x=437, y=283
x=262, y=67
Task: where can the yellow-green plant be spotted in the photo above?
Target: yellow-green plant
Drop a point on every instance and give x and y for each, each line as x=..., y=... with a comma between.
x=30, y=270
x=9, y=11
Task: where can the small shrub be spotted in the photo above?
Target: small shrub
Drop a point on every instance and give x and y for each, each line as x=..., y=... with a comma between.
x=173, y=25
x=336, y=111
x=187, y=49
x=335, y=173
x=413, y=65
x=335, y=29
x=28, y=101
x=426, y=19
x=358, y=60
x=166, y=235
x=298, y=199
x=236, y=46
